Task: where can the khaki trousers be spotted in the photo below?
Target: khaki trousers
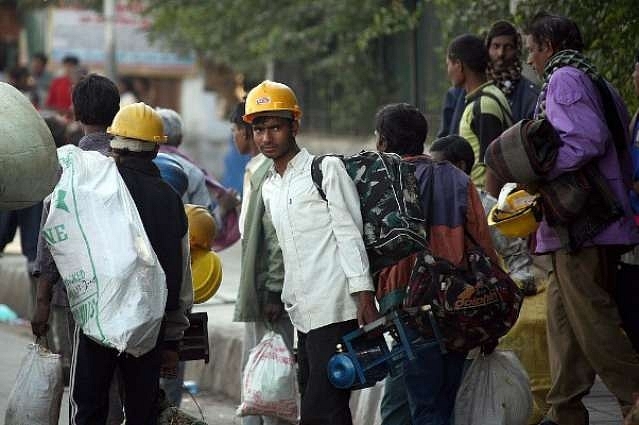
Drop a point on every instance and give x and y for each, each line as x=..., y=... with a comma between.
x=584, y=334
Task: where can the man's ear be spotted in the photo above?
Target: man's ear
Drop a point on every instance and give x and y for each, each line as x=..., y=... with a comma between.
x=546, y=46
x=295, y=127
x=381, y=144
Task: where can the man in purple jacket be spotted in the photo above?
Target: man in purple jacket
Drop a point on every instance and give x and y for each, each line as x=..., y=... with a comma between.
x=584, y=336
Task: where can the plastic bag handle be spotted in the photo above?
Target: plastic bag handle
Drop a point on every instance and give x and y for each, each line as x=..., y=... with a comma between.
x=42, y=338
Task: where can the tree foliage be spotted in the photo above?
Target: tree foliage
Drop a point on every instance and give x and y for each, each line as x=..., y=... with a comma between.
x=25, y=5
x=610, y=29
x=331, y=41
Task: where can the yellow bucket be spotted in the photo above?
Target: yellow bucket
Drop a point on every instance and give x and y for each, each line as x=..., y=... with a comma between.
x=206, y=268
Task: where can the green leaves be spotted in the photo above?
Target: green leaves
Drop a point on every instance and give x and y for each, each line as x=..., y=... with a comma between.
x=331, y=43
x=609, y=29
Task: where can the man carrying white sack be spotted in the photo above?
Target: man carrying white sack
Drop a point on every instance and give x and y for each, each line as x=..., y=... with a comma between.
x=137, y=131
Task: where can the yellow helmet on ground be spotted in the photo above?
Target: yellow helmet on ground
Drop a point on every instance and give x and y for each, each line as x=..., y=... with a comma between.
x=273, y=99
x=523, y=218
x=202, y=229
x=138, y=121
x=206, y=269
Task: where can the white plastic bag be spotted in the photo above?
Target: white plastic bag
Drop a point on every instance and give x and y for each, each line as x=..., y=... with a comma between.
x=269, y=386
x=115, y=283
x=495, y=391
x=37, y=393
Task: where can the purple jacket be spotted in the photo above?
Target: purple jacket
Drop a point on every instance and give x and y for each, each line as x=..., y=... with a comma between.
x=574, y=108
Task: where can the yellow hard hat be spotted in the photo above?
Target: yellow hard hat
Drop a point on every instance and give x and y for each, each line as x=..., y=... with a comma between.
x=206, y=268
x=202, y=229
x=522, y=220
x=138, y=121
x=269, y=96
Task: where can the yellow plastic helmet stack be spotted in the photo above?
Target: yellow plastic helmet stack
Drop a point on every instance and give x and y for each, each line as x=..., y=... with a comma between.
x=206, y=266
x=202, y=229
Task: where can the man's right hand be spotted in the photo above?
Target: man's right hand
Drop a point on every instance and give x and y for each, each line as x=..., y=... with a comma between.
x=366, y=309
x=40, y=321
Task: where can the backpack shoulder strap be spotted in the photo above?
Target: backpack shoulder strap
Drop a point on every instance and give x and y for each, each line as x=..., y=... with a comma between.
x=503, y=109
x=316, y=172
x=317, y=175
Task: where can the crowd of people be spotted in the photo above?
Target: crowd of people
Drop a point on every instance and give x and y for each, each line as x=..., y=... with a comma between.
x=305, y=270
x=326, y=290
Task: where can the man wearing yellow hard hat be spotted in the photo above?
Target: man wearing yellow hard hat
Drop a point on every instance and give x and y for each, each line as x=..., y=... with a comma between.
x=258, y=304
x=137, y=132
x=327, y=288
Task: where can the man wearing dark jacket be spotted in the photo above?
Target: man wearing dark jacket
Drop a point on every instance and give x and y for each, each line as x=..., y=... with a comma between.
x=425, y=392
x=137, y=131
x=504, y=68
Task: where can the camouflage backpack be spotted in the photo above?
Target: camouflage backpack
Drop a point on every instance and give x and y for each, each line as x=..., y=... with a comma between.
x=394, y=225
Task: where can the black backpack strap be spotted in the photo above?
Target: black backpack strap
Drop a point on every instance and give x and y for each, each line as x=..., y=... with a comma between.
x=611, y=114
x=317, y=175
x=504, y=111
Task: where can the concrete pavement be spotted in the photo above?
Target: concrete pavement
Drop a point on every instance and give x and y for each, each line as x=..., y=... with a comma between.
x=219, y=381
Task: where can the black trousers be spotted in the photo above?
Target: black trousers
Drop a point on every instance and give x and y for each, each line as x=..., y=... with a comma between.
x=322, y=403
x=92, y=370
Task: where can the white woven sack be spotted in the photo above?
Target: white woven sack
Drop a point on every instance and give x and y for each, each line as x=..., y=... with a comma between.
x=495, y=390
x=116, y=286
x=37, y=393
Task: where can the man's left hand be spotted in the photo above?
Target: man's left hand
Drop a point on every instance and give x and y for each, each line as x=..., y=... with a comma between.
x=273, y=311
x=169, y=365
x=366, y=308
x=489, y=346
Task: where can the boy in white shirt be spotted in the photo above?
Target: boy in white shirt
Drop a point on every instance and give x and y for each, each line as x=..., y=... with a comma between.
x=328, y=289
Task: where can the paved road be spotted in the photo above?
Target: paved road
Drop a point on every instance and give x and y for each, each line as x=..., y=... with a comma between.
x=216, y=409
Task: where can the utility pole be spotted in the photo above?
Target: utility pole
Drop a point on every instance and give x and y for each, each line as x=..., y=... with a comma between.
x=513, y=6
x=110, y=63
x=270, y=70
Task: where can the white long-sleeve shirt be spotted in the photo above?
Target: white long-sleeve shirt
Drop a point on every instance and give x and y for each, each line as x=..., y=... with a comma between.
x=325, y=261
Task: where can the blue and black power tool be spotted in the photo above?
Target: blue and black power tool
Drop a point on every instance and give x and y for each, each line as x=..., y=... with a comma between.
x=364, y=357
